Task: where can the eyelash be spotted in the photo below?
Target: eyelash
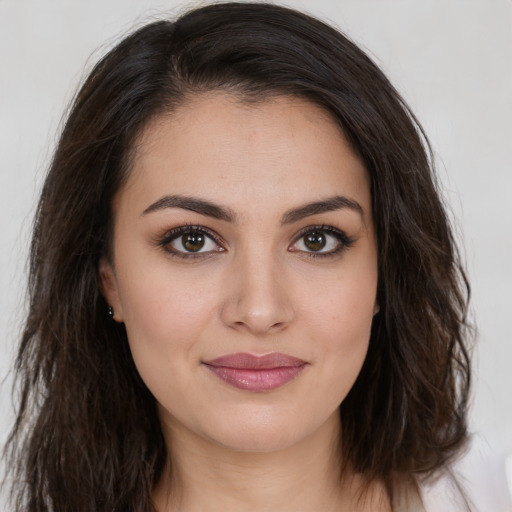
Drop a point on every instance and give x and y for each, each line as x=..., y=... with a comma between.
x=170, y=236
x=345, y=242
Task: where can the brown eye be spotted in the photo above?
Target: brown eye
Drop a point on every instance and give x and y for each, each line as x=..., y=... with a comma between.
x=188, y=241
x=193, y=241
x=321, y=241
x=315, y=241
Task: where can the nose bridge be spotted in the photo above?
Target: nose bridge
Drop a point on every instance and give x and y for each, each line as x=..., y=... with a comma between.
x=257, y=298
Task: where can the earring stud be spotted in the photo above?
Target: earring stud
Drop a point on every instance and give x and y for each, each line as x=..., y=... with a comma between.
x=111, y=312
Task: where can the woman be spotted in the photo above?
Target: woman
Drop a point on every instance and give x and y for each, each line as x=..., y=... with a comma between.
x=244, y=290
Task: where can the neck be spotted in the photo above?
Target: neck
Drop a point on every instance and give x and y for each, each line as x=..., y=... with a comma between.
x=206, y=476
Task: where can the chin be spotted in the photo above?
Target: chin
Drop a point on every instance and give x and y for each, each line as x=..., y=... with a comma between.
x=257, y=440
x=264, y=432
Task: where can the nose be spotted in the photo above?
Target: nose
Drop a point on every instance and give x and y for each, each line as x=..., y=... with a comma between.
x=257, y=297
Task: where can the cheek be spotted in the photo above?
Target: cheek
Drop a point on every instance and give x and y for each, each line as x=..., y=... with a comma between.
x=164, y=313
x=342, y=303
x=343, y=341
x=165, y=319
x=340, y=321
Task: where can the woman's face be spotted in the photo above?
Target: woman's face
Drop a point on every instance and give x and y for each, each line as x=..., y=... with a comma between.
x=245, y=269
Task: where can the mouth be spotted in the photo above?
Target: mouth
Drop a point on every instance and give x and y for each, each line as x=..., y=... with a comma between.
x=256, y=373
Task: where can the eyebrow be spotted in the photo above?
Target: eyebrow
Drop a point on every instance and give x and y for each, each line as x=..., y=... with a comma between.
x=193, y=204
x=205, y=207
x=326, y=205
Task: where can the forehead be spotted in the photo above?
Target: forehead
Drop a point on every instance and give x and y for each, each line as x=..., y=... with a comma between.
x=216, y=145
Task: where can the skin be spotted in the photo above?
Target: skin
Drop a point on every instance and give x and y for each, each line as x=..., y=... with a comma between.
x=258, y=288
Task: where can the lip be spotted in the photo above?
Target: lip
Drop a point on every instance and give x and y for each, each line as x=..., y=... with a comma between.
x=256, y=372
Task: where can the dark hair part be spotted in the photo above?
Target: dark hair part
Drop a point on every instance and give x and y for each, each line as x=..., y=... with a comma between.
x=87, y=435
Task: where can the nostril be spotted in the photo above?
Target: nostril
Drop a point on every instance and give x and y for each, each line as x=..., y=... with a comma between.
x=256, y=302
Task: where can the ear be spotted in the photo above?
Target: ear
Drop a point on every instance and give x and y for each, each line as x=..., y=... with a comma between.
x=376, y=308
x=109, y=288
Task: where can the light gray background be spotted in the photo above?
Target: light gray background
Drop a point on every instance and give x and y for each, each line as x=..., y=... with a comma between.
x=451, y=59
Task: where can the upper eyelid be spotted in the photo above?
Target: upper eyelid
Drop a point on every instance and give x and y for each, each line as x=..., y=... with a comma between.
x=322, y=227
x=213, y=234
x=345, y=240
x=170, y=235
x=173, y=233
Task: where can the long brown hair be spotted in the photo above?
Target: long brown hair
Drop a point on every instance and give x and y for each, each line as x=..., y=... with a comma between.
x=87, y=436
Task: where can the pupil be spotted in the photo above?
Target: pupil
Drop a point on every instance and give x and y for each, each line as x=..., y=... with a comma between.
x=315, y=241
x=193, y=241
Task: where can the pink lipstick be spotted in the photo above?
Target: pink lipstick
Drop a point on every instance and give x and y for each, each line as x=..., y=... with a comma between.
x=256, y=373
